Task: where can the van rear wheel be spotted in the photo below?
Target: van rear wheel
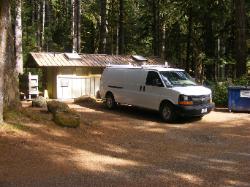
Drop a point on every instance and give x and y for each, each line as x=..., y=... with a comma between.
x=110, y=101
x=167, y=112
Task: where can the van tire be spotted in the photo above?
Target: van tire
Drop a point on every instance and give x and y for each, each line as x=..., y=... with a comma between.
x=110, y=101
x=167, y=112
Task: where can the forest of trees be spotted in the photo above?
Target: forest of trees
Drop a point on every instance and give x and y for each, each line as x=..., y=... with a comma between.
x=186, y=33
x=191, y=34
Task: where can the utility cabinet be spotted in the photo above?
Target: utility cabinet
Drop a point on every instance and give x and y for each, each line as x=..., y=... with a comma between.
x=33, y=86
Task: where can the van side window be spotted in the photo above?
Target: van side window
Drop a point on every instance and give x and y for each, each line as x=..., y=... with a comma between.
x=153, y=79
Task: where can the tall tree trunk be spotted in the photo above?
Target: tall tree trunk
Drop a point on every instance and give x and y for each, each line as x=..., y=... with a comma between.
x=189, y=37
x=8, y=74
x=4, y=14
x=209, y=43
x=79, y=26
x=76, y=24
x=48, y=17
x=38, y=34
x=240, y=40
x=121, y=27
x=117, y=40
x=163, y=42
x=73, y=31
x=156, y=27
x=33, y=16
x=18, y=37
x=112, y=27
x=43, y=22
x=103, y=34
x=178, y=44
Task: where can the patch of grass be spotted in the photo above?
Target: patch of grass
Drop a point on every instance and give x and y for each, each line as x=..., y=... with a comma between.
x=12, y=115
x=13, y=121
x=18, y=126
x=12, y=127
x=16, y=120
x=37, y=116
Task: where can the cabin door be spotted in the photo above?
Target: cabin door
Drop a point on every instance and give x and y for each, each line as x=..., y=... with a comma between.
x=70, y=87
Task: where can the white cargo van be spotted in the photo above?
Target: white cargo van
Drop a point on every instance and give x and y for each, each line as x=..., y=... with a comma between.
x=170, y=91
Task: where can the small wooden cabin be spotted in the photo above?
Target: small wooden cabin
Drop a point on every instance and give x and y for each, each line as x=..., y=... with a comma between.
x=71, y=75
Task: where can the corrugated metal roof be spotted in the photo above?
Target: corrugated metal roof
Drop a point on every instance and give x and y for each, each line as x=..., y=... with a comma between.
x=42, y=59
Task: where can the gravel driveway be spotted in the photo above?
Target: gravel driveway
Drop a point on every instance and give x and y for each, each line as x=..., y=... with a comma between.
x=125, y=147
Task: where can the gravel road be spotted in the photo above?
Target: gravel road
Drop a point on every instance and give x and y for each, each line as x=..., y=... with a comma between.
x=125, y=147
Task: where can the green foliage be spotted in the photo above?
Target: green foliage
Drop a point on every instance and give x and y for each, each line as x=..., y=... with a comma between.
x=67, y=119
x=14, y=118
x=57, y=106
x=242, y=81
x=210, y=21
x=220, y=94
x=220, y=89
x=39, y=102
x=63, y=115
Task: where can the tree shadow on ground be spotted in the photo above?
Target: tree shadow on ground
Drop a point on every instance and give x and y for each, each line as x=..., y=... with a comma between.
x=136, y=113
x=120, y=150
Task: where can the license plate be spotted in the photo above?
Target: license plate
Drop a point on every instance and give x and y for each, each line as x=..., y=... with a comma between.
x=204, y=110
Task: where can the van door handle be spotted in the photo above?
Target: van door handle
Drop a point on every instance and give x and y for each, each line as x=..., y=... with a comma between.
x=144, y=88
x=140, y=88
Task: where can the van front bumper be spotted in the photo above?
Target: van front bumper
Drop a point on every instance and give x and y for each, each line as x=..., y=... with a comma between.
x=195, y=110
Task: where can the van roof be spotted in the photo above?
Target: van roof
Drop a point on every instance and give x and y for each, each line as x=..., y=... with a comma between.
x=148, y=67
x=164, y=69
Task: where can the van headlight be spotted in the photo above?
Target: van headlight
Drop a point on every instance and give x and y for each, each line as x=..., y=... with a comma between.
x=185, y=100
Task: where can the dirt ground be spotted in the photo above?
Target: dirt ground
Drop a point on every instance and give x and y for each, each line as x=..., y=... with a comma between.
x=125, y=147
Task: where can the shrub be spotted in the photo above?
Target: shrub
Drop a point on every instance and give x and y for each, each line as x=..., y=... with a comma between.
x=57, y=106
x=63, y=115
x=84, y=99
x=220, y=90
x=39, y=102
x=242, y=81
x=67, y=119
x=220, y=94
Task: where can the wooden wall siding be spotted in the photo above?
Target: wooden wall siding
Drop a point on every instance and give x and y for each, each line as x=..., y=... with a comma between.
x=69, y=87
x=88, y=78
x=79, y=71
x=52, y=82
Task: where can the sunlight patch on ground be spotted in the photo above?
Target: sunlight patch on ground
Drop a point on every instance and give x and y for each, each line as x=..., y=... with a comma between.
x=56, y=133
x=114, y=148
x=6, y=128
x=87, y=110
x=150, y=129
x=96, y=162
x=189, y=156
x=79, y=108
x=228, y=169
x=222, y=117
x=189, y=178
x=237, y=183
x=238, y=154
x=235, y=135
x=222, y=161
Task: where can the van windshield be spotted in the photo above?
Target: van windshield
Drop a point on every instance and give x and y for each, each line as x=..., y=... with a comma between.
x=177, y=78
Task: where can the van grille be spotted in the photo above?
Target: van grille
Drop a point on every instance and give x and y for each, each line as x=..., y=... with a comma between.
x=201, y=99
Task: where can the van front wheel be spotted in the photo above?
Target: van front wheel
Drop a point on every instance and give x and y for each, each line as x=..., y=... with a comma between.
x=110, y=101
x=167, y=112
